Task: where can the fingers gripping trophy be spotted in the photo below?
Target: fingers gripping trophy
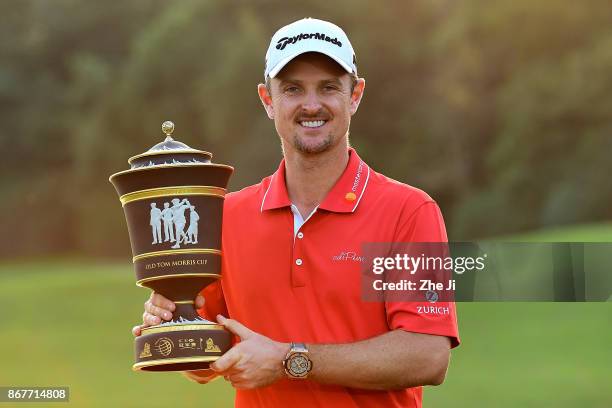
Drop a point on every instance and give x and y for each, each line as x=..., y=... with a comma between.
x=172, y=197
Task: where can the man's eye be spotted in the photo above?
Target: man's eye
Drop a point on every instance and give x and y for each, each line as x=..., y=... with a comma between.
x=330, y=88
x=292, y=89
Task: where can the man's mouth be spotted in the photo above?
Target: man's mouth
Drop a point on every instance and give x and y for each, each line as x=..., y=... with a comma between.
x=312, y=123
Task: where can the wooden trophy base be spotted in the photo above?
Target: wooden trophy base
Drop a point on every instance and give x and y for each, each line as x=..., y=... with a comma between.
x=189, y=345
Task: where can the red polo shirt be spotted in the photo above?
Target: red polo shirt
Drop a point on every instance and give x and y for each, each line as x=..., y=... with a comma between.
x=308, y=288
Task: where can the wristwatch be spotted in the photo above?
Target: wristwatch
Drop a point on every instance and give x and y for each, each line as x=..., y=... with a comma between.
x=297, y=363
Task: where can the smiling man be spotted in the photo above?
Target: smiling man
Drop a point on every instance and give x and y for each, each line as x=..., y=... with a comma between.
x=289, y=285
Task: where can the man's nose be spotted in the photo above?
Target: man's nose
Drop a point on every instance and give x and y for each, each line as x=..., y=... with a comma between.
x=311, y=103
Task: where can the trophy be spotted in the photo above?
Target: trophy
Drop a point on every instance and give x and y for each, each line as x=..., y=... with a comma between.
x=172, y=197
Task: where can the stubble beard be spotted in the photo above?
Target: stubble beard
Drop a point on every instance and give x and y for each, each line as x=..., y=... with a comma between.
x=306, y=148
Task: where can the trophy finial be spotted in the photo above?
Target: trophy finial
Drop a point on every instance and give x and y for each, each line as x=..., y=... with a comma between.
x=168, y=128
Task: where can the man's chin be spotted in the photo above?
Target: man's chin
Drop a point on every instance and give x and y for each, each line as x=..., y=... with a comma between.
x=312, y=146
x=313, y=149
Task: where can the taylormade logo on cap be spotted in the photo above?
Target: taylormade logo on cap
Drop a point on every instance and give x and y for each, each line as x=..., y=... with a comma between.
x=282, y=43
x=309, y=35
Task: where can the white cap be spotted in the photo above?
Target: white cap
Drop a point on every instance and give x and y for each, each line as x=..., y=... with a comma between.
x=309, y=35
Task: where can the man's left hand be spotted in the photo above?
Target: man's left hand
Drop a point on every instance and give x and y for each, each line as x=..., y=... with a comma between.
x=256, y=361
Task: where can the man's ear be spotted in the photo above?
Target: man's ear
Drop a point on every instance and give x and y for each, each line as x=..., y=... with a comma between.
x=266, y=100
x=357, y=95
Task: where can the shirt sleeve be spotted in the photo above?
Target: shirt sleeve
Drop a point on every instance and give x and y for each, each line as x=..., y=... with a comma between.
x=423, y=224
x=214, y=302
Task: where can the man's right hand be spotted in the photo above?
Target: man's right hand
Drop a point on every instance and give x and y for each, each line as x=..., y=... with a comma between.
x=158, y=309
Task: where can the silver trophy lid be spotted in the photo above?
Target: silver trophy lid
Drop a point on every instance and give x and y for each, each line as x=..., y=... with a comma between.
x=169, y=152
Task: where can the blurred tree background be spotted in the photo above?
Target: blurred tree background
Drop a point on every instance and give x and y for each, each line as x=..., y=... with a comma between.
x=502, y=111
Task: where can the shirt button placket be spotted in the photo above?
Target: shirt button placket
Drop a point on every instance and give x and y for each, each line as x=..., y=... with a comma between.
x=297, y=269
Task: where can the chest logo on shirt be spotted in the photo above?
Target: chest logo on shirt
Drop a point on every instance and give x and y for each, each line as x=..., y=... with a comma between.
x=347, y=256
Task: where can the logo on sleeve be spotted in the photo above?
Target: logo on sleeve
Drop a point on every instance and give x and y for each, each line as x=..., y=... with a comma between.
x=435, y=310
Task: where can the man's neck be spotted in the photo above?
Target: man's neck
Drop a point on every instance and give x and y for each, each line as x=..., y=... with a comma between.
x=310, y=177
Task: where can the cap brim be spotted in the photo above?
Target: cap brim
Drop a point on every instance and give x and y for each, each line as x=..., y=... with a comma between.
x=274, y=71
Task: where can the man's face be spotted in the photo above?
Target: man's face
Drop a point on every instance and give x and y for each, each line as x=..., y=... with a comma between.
x=311, y=103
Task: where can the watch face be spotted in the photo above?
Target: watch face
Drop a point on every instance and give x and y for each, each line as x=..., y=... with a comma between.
x=299, y=365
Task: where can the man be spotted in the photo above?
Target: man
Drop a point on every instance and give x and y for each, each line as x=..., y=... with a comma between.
x=179, y=220
x=155, y=223
x=291, y=298
x=168, y=227
x=192, y=230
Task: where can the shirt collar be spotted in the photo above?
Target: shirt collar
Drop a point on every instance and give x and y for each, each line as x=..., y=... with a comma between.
x=276, y=195
x=344, y=196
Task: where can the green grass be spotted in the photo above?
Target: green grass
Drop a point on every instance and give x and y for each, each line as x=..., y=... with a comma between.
x=529, y=355
x=575, y=233
x=68, y=323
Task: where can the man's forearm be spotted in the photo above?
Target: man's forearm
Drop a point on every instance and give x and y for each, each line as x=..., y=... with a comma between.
x=393, y=360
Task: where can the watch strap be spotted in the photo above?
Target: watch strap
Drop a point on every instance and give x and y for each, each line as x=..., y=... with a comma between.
x=298, y=348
